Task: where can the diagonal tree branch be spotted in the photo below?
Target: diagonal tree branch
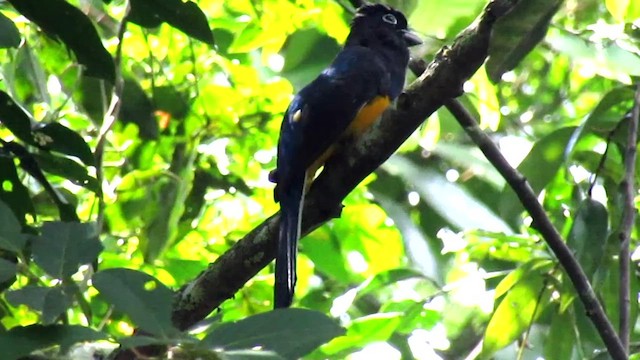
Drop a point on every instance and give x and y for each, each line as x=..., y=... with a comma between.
x=542, y=223
x=626, y=225
x=442, y=80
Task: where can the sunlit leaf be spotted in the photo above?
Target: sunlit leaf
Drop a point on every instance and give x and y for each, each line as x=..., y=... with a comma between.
x=623, y=10
x=606, y=59
x=515, y=313
x=376, y=327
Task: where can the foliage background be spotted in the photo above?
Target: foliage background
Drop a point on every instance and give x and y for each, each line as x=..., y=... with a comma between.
x=432, y=256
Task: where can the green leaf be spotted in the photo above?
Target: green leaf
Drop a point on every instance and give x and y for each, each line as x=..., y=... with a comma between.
x=291, y=333
x=11, y=238
x=7, y=270
x=561, y=338
x=387, y=278
x=21, y=341
x=142, y=297
x=604, y=58
x=56, y=302
x=64, y=246
x=15, y=119
x=61, y=20
x=51, y=301
x=67, y=168
x=9, y=34
x=57, y=137
x=518, y=274
x=184, y=16
x=30, y=295
x=517, y=33
x=611, y=109
x=170, y=100
x=30, y=80
x=515, y=313
x=623, y=10
x=12, y=191
x=365, y=330
x=588, y=235
x=137, y=108
x=539, y=167
x=451, y=200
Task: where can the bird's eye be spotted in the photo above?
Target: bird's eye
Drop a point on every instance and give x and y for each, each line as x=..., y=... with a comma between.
x=388, y=18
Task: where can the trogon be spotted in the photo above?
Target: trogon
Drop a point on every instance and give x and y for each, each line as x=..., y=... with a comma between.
x=341, y=103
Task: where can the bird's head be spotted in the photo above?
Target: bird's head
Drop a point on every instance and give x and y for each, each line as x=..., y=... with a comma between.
x=380, y=22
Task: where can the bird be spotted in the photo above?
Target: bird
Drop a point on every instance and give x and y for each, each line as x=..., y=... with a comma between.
x=346, y=98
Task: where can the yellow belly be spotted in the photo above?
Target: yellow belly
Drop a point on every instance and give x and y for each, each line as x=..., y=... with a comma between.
x=363, y=120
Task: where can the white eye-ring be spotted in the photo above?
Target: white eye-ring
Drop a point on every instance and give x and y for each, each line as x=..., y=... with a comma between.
x=388, y=18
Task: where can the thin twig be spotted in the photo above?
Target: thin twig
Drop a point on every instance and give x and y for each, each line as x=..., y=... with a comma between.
x=594, y=177
x=628, y=217
x=110, y=116
x=542, y=223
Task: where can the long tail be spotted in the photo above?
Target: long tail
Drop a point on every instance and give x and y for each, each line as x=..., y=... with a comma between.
x=291, y=201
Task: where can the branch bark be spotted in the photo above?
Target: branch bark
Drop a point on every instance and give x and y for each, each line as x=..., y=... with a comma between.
x=628, y=217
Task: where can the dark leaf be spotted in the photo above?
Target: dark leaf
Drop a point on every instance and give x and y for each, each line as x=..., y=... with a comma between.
x=51, y=301
x=7, y=271
x=184, y=16
x=588, y=235
x=9, y=34
x=11, y=238
x=21, y=341
x=61, y=20
x=94, y=95
x=30, y=295
x=64, y=246
x=57, y=137
x=15, y=119
x=168, y=99
x=28, y=163
x=138, y=109
x=68, y=169
x=12, y=191
x=291, y=333
x=517, y=33
x=143, y=298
